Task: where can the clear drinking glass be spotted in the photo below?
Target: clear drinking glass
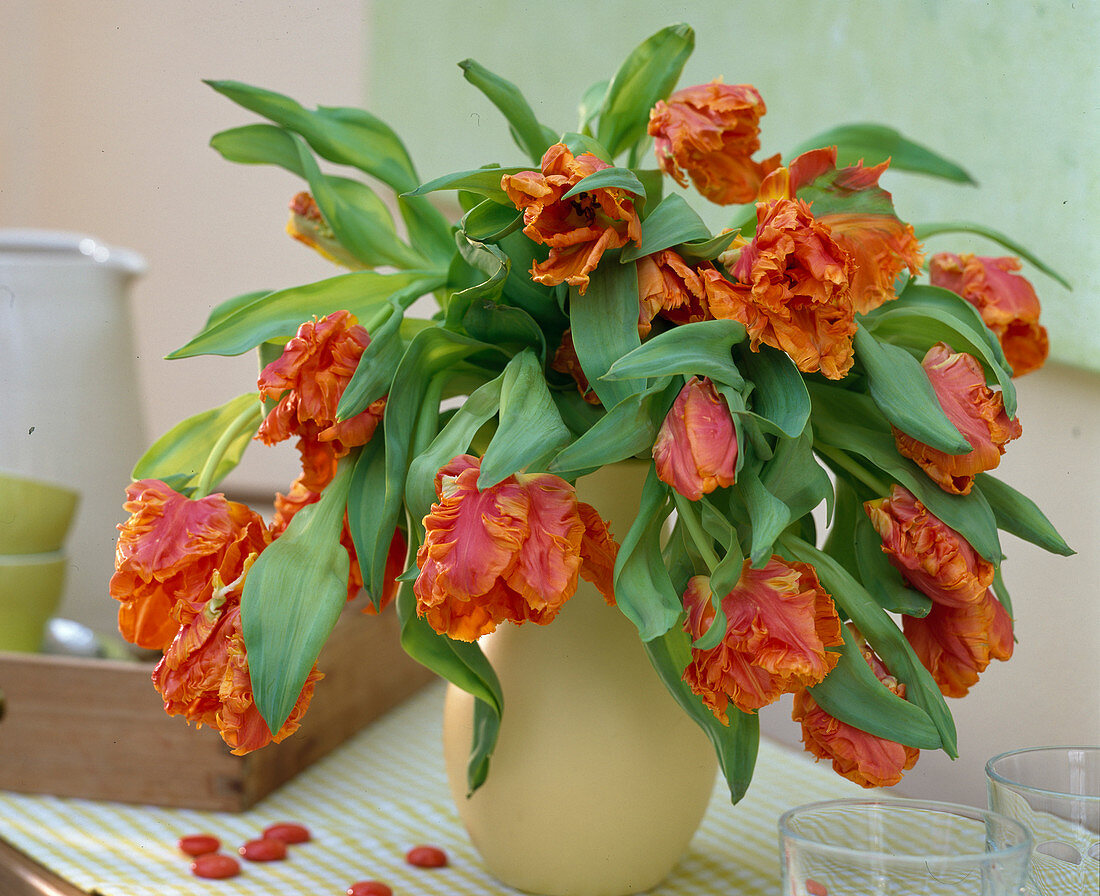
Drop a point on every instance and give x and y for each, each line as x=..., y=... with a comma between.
x=1055, y=793
x=893, y=847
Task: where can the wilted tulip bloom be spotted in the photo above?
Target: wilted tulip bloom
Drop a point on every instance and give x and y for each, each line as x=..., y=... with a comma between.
x=167, y=552
x=578, y=230
x=204, y=677
x=307, y=225
x=1007, y=302
x=511, y=552
x=668, y=286
x=930, y=555
x=710, y=131
x=696, y=448
x=976, y=411
x=308, y=380
x=779, y=624
x=793, y=289
x=956, y=644
x=866, y=759
x=860, y=217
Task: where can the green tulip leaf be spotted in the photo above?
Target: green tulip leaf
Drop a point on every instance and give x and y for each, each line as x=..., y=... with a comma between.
x=901, y=389
x=490, y=221
x=530, y=136
x=483, y=181
x=292, y=598
x=672, y=222
x=735, y=744
x=700, y=349
x=924, y=231
x=277, y=315
x=530, y=426
x=779, y=396
x=647, y=75
x=1018, y=515
x=769, y=516
x=464, y=665
x=199, y=452
x=874, y=143
x=608, y=179
x=376, y=367
x=882, y=581
x=643, y=589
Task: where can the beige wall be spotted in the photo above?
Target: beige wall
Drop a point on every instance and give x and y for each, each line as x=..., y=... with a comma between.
x=104, y=129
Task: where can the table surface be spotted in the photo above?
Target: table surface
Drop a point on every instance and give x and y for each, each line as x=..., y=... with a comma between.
x=367, y=803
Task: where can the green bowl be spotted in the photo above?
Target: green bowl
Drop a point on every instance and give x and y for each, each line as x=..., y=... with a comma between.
x=30, y=592
x=35, y=516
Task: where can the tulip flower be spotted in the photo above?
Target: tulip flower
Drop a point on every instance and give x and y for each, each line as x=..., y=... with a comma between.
x=203, y=674
x=1007, y=302
x=793, y=289
x=512, y=552
x=308, y=380
x=976, y=411
x=696, y=448
x=167, y=552
x=710, y=131
x=668, y=286
x=866, y=759
x=578, y=230
x=956, y=644
x=780, y=623
x=931, y=556
x=307, y=225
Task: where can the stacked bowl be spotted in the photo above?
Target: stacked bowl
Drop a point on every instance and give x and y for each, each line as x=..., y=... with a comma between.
x=35, y=518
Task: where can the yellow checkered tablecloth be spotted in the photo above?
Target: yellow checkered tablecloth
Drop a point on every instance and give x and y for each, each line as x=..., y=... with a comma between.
x=367, y=803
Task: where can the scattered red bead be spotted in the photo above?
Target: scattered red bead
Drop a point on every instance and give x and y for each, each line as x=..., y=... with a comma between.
x=369, y=888
x=816, y=889
x=263, y=850
x=199, y=844
x=426, y=857
x=215, y=865
x=288, y=832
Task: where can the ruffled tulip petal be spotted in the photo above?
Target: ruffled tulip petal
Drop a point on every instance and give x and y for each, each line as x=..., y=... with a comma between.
x=696, y=448
x=975, y=410
x=1007, y=302
x=780, y=623
x=793, y=290
x=710, y=132
x=930, y=555
x=578, y=230
x=956, y=644
x=863, y=758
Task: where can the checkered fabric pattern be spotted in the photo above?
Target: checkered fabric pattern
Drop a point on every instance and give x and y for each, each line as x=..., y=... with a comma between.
x=363, y=822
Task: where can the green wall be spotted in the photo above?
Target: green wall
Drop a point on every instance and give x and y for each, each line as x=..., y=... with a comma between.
x=1008, y=89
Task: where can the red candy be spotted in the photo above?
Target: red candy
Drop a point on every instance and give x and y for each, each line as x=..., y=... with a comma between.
x=199, y=844
x=288, y=832
x=369, y=888
x=426, y=857
x=215, y=865
x=263, y=850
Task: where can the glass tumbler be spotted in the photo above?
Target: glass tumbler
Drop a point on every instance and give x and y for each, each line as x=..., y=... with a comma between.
x=1055, y=793
x=894, y=847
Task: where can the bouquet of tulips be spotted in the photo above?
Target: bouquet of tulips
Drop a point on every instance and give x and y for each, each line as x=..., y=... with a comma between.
x=806, y=358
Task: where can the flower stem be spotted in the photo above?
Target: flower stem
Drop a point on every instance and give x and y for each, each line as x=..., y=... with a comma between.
x=842, y=460
x=703, y=543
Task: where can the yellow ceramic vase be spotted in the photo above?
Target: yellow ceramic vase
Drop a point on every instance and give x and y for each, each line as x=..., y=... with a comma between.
x=599, y=779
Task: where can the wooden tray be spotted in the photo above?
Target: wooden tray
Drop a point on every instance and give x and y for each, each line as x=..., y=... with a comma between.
x=97, y=728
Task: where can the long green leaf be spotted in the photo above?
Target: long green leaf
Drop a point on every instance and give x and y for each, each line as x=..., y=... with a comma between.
x=904, y=394
x=530, y=428
x=292, y=598
x=608, y=179
x=464, y=665
x=1019, y=515
x=643, y=589
x=203, y=449
x=278, y=315
x=702, y=348
x=769, y=516
x=647, y=75
x=882, y=581
x=604, y=323
x=924, y=231
x=531, y=136
x=669, y=224
x=874, y=143
x=376, y=367
x=483, y=181
x=736, y=744
x=779, y=395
